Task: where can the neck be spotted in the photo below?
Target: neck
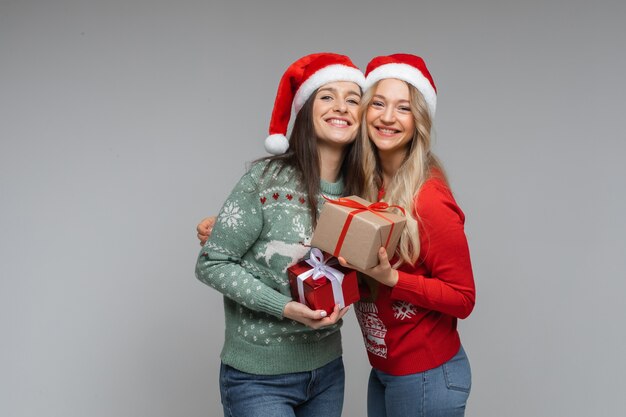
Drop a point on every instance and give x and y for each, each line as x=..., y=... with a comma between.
x=331, y=159
x=390, y=163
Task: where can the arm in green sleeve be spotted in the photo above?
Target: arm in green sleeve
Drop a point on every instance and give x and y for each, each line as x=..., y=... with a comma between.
x=238, y=226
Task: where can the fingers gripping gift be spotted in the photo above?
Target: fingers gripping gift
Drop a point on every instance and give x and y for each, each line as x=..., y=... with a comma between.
x=356, y=229
x=321, y=283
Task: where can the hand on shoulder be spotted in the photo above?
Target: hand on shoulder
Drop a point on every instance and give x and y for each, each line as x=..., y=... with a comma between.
x=204, y=229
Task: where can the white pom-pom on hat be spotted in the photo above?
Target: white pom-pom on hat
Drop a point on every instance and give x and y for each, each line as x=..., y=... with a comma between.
x=276, y=144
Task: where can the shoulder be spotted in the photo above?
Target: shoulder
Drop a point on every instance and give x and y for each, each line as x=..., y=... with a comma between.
x=269, y=172
x=263, y=174
x=435, y=201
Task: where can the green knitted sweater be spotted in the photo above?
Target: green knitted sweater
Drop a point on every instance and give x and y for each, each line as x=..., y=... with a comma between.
x=264, y=227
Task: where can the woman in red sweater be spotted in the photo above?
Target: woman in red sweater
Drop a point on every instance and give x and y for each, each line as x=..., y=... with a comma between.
x=410, y=305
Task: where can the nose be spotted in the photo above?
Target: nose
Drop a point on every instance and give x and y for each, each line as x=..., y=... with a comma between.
x=341, y=106
x=388, y=115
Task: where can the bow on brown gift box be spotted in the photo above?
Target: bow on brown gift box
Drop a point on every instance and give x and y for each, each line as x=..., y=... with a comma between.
x=355, y=229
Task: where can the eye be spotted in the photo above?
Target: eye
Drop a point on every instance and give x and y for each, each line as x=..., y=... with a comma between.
x=405, y=109
x=354, y=101
x=326, y=97
x=377, y=104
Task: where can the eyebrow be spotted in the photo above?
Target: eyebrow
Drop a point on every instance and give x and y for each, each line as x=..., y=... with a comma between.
x=334, y=90
x=385, y=98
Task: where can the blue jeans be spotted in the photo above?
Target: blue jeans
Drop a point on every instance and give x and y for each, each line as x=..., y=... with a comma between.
x=315, y=393
x=438, y=392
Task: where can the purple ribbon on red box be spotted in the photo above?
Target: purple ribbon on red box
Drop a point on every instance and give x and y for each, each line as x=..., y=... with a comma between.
x=322, y=269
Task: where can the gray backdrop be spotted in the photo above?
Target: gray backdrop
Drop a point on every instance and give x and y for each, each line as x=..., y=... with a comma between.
x=125, y=122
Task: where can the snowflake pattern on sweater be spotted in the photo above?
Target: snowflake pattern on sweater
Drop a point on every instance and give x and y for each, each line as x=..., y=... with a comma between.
x=231, y=215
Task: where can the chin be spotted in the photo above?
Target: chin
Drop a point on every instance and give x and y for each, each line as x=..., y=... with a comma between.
x=344, y=139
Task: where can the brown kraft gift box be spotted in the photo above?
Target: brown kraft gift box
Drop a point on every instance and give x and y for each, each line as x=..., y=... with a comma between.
x=363, y=230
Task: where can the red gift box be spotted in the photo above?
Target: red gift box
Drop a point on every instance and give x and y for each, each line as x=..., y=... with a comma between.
x=316, y=277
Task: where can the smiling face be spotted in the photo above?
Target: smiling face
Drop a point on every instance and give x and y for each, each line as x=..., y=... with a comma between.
x=390, y=122
x=336, y=113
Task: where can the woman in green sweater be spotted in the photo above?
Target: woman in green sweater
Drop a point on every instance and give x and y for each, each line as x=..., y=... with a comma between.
x=281, y=358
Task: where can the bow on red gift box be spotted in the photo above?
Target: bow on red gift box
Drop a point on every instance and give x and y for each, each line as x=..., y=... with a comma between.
x=322, y=269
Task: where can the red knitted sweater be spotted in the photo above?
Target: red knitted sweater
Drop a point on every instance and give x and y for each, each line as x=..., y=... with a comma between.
x=411, y=327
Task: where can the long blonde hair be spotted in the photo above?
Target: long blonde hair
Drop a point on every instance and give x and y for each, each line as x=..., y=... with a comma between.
x=419, y=165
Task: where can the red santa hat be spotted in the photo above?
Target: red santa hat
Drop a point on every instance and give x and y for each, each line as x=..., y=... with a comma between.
x=300, y=80
x=405, y=67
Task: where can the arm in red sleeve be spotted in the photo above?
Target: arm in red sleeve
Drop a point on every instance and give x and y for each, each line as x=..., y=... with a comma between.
x=442, y=278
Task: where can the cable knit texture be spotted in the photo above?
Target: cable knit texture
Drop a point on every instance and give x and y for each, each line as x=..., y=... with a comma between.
x=263, y=228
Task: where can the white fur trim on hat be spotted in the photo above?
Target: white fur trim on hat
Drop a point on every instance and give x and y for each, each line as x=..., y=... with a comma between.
x=326, y=75
x=409, y=74
x=276, y=144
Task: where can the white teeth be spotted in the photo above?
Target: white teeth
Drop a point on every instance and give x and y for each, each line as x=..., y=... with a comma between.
x=338, y=122
x=387, y=131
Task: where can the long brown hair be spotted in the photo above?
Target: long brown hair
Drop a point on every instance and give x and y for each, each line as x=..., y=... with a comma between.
x=304, y=157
